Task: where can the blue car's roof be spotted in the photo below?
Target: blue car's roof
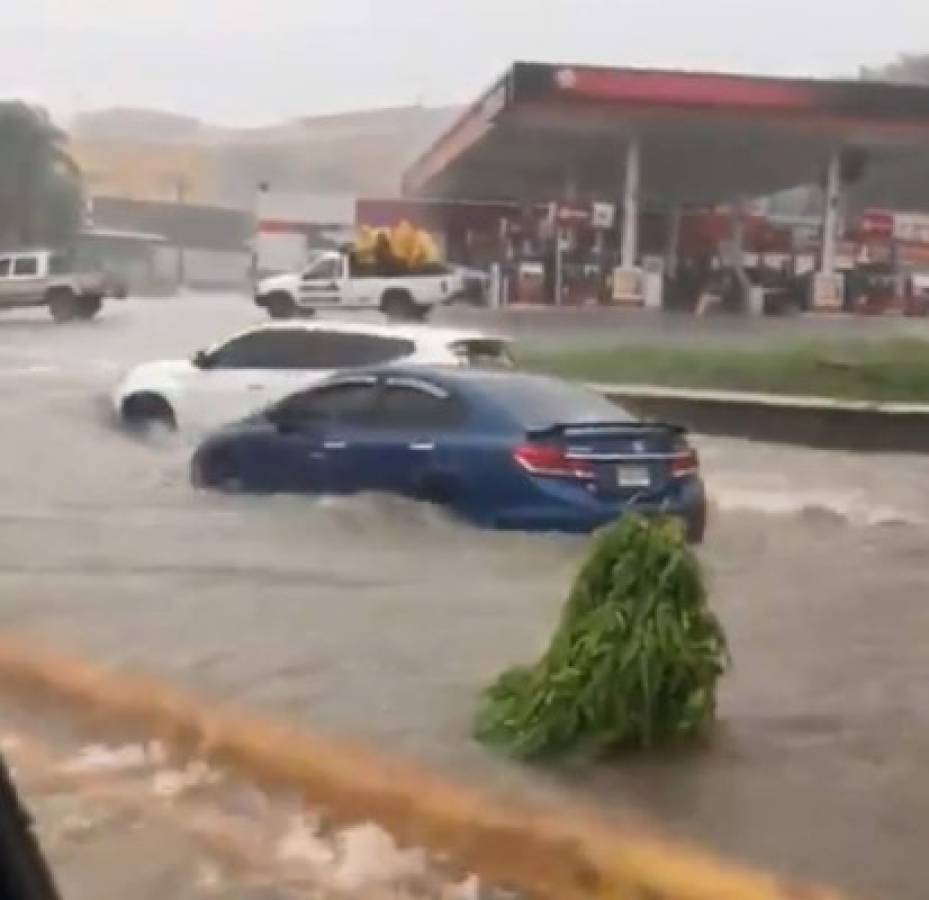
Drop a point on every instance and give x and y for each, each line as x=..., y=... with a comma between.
x=531, y=400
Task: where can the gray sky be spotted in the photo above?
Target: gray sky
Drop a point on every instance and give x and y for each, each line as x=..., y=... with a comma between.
x=251, y=62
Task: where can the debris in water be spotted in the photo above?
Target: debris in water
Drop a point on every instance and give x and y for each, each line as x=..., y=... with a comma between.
x=209, y=878
x=302, y=844
x=469, y=889
x=369, y=857
x=171, y=783
x=98, y=758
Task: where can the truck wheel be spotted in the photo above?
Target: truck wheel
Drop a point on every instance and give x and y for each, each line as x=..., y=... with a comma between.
x=280, y=306
x=399, y=306
x=88, y=307
x=62, y=304
x=141, y=411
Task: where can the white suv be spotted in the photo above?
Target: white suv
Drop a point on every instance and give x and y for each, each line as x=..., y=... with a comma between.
x=253, y=369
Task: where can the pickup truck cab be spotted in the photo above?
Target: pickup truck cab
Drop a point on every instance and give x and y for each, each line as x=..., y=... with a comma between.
x=330, y=281
x=50, y=278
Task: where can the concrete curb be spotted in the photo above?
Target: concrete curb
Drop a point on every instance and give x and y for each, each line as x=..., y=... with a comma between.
x=821, y=422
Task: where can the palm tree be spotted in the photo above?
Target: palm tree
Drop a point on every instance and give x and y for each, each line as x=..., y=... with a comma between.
x=40, y=185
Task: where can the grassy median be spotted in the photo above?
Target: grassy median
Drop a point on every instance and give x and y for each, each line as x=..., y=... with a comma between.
x=895, y=369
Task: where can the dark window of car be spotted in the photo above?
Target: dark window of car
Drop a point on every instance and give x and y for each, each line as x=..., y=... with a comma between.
x=415, y=404
x=348, y=403
x=5, y=265
x=258, y=350
x=26, y=265
x=534, y=400
x=60, y=264
x=327, y=269
x=342, y=350
x=301, y=348
x=484, y=353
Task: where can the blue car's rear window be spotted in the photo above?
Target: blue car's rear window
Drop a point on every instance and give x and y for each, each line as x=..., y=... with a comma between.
x=536, y=401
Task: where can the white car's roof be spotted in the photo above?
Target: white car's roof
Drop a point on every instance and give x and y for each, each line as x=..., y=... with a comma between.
x=418, y=334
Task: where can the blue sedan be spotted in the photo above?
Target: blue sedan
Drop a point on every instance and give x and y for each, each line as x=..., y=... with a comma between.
x=502, y=449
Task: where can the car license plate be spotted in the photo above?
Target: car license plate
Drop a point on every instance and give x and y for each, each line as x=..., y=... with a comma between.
x=633, y=476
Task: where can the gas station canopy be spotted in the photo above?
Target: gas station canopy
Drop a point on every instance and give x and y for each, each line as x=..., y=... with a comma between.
x=546, y=131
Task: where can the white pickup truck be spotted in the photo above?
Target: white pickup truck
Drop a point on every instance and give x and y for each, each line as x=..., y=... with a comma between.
x=52, y=279
x=328, y=282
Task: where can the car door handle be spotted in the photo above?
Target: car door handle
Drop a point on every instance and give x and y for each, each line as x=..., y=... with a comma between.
x=256, y=387
x=423, y=445
x=334, y=445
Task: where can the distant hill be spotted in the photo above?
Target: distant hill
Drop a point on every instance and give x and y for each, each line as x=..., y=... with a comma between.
x=144, y=154
x=127, y=124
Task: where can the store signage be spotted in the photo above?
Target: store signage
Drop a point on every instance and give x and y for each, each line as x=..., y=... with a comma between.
x=573, y=214
x=875, y=223
x=603, y=216
x=566, y=79
x=911, y=227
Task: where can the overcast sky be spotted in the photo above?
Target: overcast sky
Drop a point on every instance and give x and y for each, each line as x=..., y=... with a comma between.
x=248, y=62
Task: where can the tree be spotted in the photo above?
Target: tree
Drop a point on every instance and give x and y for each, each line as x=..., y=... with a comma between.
x=909, y=68
x=41, y=195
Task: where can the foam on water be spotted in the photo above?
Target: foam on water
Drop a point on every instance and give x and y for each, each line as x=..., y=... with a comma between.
x=856, y=509
x=860, y=489
x=100, y=787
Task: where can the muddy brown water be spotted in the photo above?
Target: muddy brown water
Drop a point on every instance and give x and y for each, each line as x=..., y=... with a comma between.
x=381, y=620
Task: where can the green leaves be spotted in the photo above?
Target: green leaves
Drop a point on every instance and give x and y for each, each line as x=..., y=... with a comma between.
x=40, y=186
x=634, y=662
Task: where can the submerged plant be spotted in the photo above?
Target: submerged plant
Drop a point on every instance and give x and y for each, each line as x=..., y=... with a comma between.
x=634, y=662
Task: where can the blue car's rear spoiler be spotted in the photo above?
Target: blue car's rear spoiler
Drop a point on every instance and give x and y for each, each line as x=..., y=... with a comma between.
x=619, y=428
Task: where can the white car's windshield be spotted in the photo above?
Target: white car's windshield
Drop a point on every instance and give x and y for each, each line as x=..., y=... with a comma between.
x=487, y=353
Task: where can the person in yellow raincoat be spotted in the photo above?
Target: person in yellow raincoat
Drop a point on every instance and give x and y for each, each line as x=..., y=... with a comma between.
x=364, y=246
x=392, y=251
x=403, y=243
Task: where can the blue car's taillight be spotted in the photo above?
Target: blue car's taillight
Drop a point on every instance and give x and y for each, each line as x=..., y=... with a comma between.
x=685, y=462
x=550, y=462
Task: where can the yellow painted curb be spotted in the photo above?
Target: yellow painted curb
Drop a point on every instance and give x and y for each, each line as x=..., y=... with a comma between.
x=556, y=854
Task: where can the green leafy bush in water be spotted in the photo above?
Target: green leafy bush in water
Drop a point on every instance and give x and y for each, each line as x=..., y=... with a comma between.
x=634, y=662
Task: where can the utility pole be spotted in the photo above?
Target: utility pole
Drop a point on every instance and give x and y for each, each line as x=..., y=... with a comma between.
x=180, y=198
x=261, y=189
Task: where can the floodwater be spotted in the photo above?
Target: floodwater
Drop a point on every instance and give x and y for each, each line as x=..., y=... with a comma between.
x=381, y=620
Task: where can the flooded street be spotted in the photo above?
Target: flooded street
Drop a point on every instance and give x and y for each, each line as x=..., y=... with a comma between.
x=381, y=620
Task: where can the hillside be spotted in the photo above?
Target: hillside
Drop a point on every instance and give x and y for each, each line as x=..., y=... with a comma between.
x=146, y=154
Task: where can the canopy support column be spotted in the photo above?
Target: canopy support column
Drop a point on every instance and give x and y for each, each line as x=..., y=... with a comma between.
x=628, y=281
x=752, y=295
x=630, y=241
x=828, y=284
x=672, y=252
x=569, y=195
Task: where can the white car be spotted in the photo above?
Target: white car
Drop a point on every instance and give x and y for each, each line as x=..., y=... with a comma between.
x=258, y=367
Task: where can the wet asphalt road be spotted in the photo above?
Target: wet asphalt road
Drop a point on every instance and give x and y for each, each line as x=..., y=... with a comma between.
x=379, y=619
